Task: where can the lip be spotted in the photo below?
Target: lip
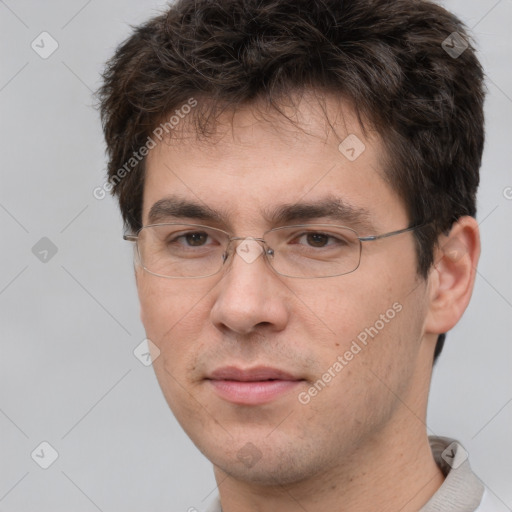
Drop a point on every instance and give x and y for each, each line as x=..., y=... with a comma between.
x=257, y=373
x=252, y=386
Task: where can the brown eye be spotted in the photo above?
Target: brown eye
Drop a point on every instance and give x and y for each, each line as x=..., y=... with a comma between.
x=317, y=239
x=196, y=239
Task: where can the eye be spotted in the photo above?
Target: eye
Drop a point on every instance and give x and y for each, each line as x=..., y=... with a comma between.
x=319, y=240
x=195, y=239
x=182, y=240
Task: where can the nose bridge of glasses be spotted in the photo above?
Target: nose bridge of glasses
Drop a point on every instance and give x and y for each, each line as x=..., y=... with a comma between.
x=249, y=248
x=256, y=239
x=244, y=241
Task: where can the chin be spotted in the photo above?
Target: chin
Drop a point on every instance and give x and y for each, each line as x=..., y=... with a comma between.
x=258, y=461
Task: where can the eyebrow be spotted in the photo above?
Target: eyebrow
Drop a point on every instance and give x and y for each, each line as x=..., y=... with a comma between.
x=176, y=207
x=330, y=208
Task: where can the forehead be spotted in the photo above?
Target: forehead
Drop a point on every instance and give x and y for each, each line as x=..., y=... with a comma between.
x=258, y=161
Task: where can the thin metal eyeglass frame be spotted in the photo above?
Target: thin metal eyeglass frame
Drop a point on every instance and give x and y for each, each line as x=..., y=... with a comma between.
x=267, y=249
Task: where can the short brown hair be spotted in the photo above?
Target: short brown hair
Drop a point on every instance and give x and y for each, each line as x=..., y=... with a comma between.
x=386, y=56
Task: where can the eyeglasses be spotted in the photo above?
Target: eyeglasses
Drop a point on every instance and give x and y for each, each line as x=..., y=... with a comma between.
x=174, y=250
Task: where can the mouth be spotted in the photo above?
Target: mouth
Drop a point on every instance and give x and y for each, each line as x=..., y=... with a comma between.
x=253, y=386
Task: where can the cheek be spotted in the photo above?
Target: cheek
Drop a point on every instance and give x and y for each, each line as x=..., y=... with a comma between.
x=371, y=326
x=363, y=371
x=169, y=304
x=171, y=374
x=173, y=317
x=345, y=306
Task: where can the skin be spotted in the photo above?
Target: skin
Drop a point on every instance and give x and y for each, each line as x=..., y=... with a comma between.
x=360, y=443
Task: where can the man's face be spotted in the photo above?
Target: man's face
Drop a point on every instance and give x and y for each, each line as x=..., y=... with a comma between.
x=248, y=317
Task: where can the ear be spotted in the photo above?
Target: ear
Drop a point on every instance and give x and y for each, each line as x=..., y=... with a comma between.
x=452, y=277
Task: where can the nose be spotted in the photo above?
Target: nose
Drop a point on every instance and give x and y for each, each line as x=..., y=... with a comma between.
x=250, y=296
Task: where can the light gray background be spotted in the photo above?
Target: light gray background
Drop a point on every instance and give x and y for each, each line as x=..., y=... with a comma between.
x=69, y=326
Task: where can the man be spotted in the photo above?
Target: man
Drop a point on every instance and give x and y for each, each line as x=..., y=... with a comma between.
x=299, y=178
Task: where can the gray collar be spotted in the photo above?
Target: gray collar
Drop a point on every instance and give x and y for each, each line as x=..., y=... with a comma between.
x=461, y=490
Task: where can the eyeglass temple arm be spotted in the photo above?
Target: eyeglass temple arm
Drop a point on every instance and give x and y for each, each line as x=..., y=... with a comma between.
x=130, y=238
x=392, y=233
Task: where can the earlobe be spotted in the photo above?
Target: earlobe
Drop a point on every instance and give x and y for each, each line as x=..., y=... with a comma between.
x=452, y=277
